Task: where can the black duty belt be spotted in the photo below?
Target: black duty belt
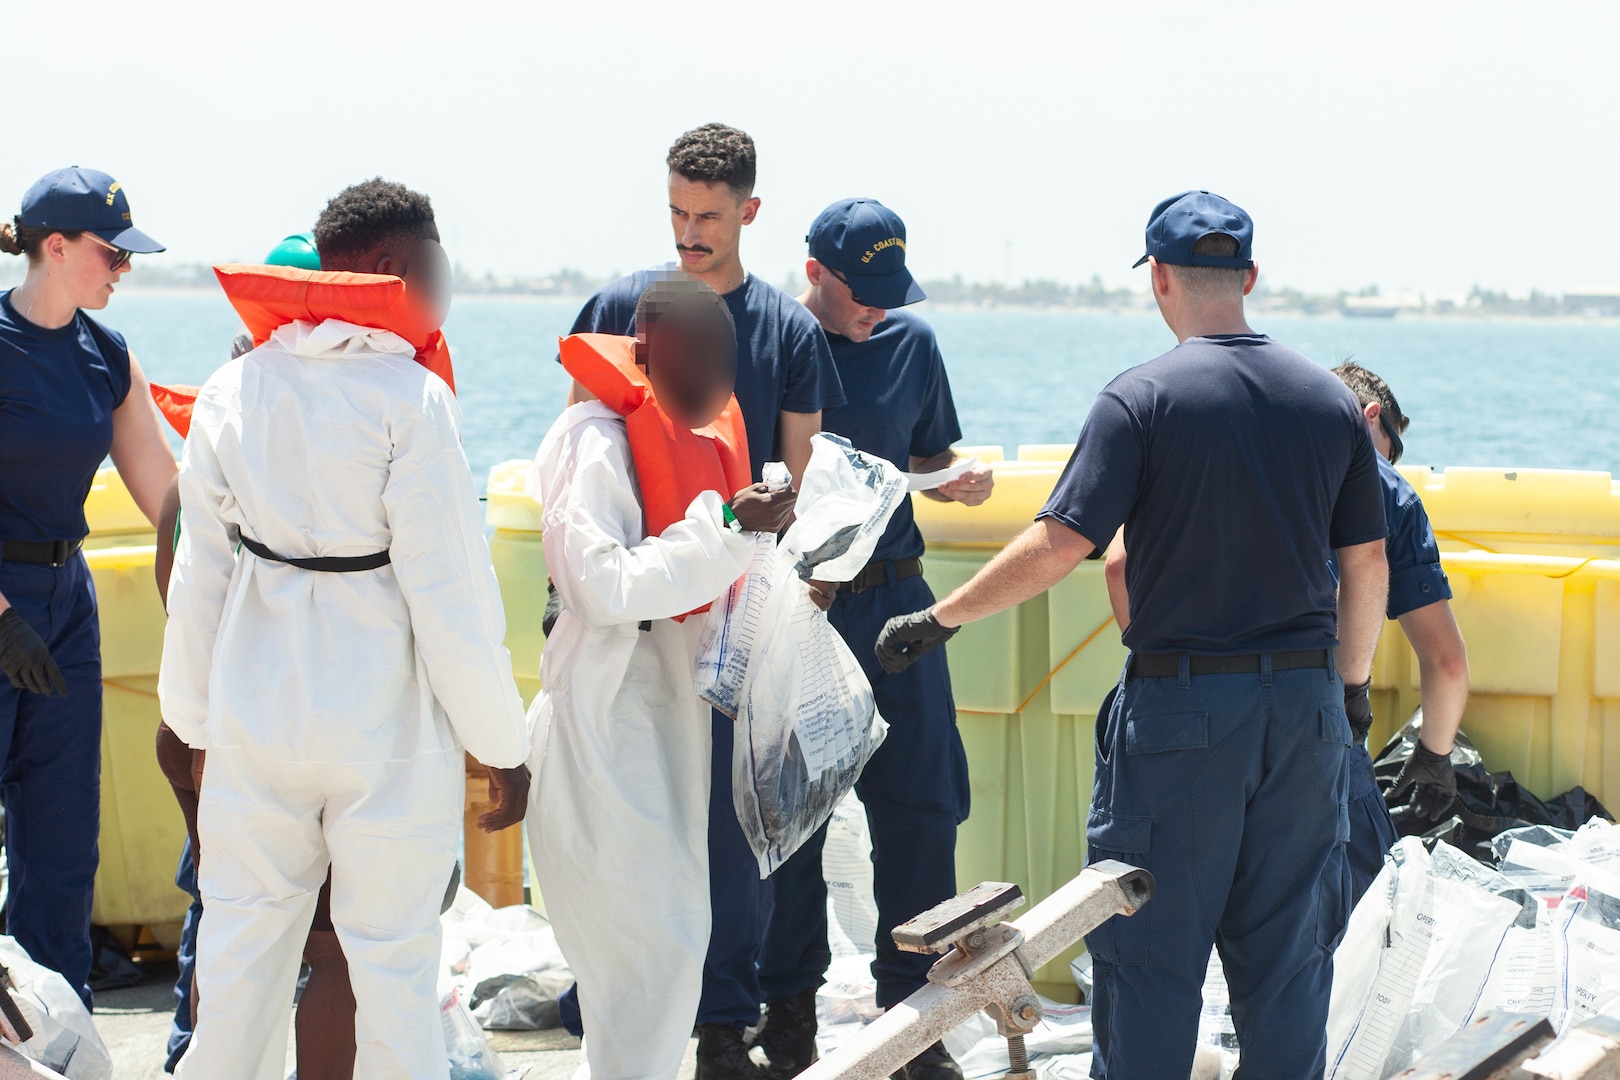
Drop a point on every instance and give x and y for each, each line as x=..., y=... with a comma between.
x=43, y=553
x=876, y=573
x=1168, y=665
x=330, y=564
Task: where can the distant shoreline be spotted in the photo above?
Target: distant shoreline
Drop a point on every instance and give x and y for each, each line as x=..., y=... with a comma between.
x=1256, y=312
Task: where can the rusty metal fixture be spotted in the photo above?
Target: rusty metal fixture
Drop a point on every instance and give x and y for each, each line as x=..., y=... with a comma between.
x=987, y=967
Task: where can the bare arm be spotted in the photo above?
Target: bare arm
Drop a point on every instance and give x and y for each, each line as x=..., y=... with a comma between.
x=1363, y=595
x=1114, y=574
x=1038, y=558
x=1443, y=665
x=793, y=431
x=168, y=521
x=139, y=449
x=578, y=393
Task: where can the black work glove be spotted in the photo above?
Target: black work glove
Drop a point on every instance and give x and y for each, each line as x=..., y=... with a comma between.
x=905, y=638
x=1358, y=710
x=25, y=659
x=1431, y=782
x=554, y=609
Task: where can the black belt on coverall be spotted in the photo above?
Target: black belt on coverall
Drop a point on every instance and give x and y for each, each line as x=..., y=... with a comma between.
x=47, y=553
x=1168, y=665
x=876, y=573
x=329, y=564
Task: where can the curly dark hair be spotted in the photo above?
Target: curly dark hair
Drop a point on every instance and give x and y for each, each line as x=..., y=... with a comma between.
x=715, y=154
x=363, y=218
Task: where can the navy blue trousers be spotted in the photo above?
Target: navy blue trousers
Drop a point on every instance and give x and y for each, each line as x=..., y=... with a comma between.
x=1372, y=830
x=1231, y=789
x=50, y=779
x=731, y=992
x=185, y=877
x=915, y=790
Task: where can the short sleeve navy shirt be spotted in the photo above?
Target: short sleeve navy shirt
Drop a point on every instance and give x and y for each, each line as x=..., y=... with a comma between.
x=899, y=407
x=1415, y=577
x=1236, y=466
x=783, y=362
x=58, y=391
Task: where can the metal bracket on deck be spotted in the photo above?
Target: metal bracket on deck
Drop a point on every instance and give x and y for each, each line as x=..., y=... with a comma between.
x=987, y=967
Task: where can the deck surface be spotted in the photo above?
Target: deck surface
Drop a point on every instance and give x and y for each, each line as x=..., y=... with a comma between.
x=134, y=1023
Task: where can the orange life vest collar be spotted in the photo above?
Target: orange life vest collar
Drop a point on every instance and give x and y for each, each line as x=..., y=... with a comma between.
x=673, y=463
x=269, y=297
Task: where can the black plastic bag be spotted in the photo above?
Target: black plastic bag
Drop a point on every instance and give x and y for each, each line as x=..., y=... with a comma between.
x=1487, y=803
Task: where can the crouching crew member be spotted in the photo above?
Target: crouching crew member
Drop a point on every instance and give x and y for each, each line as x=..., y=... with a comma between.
x=1420, y=600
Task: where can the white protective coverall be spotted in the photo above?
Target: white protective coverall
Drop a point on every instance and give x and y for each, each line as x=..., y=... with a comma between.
x=618, y=821
x=333, y=706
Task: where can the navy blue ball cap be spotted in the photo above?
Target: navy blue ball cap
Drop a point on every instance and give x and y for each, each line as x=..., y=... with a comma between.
x=1180, y=221
x=84, y=200
x=865, y=242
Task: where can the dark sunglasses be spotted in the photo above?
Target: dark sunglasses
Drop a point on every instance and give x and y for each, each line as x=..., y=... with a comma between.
x=120, y=257
x=1396, y=448
x=851, y=288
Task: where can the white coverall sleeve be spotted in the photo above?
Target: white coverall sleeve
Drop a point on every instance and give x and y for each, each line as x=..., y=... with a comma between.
x=605, y=571
x=204, y=561
x=441, y=561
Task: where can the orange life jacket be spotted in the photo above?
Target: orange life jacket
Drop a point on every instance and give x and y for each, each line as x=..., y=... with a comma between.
x=674, y=464
x=269, y=297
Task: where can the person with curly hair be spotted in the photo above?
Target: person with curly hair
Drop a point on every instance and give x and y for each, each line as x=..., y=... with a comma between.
x=334, y=642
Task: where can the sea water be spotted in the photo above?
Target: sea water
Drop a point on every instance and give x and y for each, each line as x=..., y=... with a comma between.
x=1526, y=394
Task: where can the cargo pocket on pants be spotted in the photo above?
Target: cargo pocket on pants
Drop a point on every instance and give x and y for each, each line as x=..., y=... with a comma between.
x=1123, y=939
x=1333, y=897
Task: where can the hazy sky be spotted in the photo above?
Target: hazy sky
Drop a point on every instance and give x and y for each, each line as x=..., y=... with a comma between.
x=1429, y=144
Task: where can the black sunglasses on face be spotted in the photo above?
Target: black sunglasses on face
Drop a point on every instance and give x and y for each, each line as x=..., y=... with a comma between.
x=1396, y=448
x=847, y=285
x=120, y=257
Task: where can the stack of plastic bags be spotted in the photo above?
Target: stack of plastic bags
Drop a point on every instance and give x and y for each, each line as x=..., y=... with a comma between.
x=1440, y=940
x=806, y=719
x=65, y=1037
x=502, y=963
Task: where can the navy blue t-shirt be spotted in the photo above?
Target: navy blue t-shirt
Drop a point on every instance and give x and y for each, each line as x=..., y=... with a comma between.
x=783, y=363
x=1236, y=465
x=58, y=390
x=1416, y=579
x=899, y=407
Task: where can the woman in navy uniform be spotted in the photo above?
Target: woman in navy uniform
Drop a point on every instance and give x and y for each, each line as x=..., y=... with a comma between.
x=70, y=394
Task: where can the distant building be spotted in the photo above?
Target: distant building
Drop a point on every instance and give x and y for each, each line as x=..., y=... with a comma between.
x=1593, y=302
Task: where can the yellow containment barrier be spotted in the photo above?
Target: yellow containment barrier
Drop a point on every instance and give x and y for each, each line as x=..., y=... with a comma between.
x=1533, y=557
x=142, y=831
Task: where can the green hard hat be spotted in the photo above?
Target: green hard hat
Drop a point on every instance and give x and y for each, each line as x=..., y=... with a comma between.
x=296, y=250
